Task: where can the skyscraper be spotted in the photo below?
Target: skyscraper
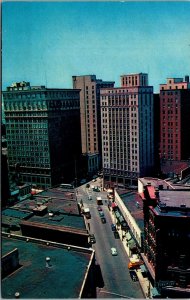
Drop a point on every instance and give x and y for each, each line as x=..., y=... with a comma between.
x=43, y=133
x=174, y=121
x=127, y=130
x=90, y=118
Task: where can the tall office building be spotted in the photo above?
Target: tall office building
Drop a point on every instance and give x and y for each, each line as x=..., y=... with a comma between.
x=90, y=118
x=43, y=133
x=127, y=130
x=174, y=122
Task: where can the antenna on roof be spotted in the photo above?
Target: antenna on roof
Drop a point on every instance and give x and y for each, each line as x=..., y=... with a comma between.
x=44, y=65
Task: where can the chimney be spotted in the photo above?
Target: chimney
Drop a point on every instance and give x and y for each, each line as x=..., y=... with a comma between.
x=17, y=295
x=186, y=78
x=48, y=262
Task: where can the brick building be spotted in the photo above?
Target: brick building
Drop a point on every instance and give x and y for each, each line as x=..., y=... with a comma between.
x=174, y=123
x=90, y=119
x=166, y=238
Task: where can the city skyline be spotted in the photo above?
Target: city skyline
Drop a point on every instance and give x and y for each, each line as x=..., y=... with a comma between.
x=49, y=42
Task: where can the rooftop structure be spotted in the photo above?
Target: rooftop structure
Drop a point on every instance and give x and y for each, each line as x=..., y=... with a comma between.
x=36, y=269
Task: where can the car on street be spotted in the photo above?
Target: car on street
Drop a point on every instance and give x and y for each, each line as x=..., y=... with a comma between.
x=83, y=181
x=89, y=197
x=133, y=275
x=92, y=239
x=116, y=234
x=103, y=220
x=96, y=189
x=113, y=251
x=113, y=227
x=101, y=214
x=87, y=185
x=99, y=208
x=94, y=180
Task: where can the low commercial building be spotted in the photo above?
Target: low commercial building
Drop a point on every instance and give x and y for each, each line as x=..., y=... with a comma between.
x=38, y=269
x=131, y=207
x=53, y=213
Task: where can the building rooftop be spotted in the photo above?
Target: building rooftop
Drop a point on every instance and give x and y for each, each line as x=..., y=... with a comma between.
x=55, y=199
x=175, y=198
x=13, y=217
x=156, y=182
x=33, y=278
x=60, y=220
x=134, y=204
x=52, y=207
x=174, y=166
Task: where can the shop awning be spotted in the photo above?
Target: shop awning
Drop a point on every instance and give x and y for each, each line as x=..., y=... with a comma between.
x=128, y=236
x=155, y=293
x=132, y=244
x=117, y=214
x=113, y=205
x=143, y=269
x=124, y=225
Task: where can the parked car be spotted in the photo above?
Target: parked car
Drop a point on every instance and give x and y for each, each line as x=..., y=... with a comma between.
x=96, y=189
x=87, y=185
x=92, y=239
x=116, y=235
x=93, y=180
x=101, y=214
x=113, y=251
x=133, y=275
x=113, y=227
x=99, y=208
x=83, y=181
x=103, y=220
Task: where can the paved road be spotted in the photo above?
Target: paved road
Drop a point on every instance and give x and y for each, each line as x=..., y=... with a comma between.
x=117, y=282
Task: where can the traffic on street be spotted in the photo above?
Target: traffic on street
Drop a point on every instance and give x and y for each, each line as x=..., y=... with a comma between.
x=111, y=257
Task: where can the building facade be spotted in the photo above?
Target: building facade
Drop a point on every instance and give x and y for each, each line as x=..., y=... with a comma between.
x=43, y=133
x=90, y=118
x=127, y=118
x=174, y=120
x=166, y=239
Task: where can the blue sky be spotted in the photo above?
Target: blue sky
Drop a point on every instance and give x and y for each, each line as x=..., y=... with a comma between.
x=49, y=42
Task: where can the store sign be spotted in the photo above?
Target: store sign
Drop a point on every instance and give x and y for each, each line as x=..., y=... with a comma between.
x=163, y=283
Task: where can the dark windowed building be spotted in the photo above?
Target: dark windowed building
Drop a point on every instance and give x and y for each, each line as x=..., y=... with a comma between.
x=43, y=133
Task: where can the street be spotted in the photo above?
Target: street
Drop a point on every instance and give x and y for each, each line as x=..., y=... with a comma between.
x=117, y=282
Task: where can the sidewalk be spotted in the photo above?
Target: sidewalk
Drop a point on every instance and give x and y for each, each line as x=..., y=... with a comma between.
x=144, y=282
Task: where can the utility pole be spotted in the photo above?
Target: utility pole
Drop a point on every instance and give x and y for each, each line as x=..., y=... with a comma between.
x=75, y=173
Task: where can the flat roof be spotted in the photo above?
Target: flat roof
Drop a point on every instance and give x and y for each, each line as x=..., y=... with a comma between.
x=175, y=198
x=61, y=202
x=55, y=199
x=11, y=216
x=34, y=280
x=134, y=204
x=156, y=182
x=61, y=220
